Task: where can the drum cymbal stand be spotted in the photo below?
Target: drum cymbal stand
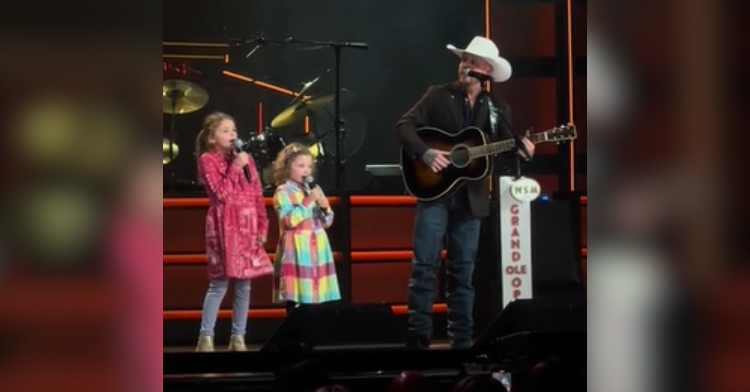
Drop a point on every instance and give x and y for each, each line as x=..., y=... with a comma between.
x=337, y=46
x=180, y=97
x=174, y=94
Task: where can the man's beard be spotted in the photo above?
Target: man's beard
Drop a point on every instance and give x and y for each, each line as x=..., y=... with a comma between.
x=467, y=81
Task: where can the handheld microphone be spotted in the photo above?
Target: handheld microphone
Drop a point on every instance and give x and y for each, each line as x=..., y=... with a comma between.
x=482, y=77
x=238, y=147
x=310, y=184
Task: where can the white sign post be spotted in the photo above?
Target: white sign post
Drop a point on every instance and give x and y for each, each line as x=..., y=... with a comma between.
x=515, y=200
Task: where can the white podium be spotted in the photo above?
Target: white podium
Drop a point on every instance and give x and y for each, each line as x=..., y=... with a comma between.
x=515, y=200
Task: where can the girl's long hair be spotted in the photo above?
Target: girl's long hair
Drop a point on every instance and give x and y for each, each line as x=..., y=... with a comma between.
x=210, y=124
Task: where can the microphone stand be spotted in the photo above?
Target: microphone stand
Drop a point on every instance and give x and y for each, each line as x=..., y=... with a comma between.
x=337, y=46
x=259, y=41
x=518, y=143
x=173, y=96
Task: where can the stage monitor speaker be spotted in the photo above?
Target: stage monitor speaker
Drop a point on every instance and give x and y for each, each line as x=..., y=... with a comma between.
x=337, y=326
x=385, y=179
x=555, y=249
x=537, y=328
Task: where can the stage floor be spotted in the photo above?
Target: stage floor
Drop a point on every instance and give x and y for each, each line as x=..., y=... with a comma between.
x=437, y=345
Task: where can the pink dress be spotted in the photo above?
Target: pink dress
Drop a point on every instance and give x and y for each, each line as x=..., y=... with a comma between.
x=236, y=217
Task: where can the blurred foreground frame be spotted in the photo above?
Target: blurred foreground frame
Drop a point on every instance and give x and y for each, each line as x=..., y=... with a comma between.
x=682, y=229
x=77, y=117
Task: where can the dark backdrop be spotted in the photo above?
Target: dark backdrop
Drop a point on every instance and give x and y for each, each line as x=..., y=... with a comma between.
x=406, y=53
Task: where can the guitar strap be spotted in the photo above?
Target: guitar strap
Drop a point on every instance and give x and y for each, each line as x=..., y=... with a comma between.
x=494, y=136
x=494, y=114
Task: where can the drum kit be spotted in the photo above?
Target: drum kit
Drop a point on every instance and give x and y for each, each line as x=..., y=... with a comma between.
x=179, y=97
x=183, y=97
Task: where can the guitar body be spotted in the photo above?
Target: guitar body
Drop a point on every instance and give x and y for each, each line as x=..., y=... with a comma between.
x=424, y=184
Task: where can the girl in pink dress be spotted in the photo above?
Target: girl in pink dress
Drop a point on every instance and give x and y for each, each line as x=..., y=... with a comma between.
x=236, y=227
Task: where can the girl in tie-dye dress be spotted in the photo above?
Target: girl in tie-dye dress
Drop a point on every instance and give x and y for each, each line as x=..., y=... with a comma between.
x=304, y=262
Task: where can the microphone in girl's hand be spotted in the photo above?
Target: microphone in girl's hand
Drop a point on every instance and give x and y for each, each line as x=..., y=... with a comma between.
x=238, y=147
x=310, y=184
x=309, y=181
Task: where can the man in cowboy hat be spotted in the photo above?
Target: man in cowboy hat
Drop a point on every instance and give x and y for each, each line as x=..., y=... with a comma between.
x=452, y=107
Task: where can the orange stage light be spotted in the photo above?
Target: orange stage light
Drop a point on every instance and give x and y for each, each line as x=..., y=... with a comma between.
x=263, y=84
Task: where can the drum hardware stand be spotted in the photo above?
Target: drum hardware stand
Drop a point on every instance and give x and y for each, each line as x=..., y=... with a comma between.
x=337, y=46
x=305, y=86
x=173, y=95
x=191, y=99
x=319, y=142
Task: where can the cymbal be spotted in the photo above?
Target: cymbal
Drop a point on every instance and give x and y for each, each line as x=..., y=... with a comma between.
x=187, y=96
x=297, y=111
x=165, y=149
x=310, y=141
x=307, y=86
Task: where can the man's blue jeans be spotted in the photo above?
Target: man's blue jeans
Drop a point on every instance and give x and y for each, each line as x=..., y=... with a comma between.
x=450, y=218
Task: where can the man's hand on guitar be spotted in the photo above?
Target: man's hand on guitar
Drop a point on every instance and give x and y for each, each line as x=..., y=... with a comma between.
x=529, y=146
x=436, y=159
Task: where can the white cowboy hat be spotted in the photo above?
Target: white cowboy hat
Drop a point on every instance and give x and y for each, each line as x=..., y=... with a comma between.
x=486, y=49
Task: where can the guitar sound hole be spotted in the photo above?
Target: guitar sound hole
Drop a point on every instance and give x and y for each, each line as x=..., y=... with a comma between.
x=460, y=156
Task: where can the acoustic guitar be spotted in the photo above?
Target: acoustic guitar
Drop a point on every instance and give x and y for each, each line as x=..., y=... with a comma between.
x=470, y=157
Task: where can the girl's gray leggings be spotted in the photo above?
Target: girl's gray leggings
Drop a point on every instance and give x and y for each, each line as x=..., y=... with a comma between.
x=217, y=288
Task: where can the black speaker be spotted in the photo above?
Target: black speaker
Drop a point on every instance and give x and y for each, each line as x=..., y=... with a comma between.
x=537, y=328
x=337, y=326
x=555, y=249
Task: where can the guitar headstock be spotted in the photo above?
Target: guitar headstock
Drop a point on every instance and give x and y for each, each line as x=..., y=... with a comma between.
x=559, y=134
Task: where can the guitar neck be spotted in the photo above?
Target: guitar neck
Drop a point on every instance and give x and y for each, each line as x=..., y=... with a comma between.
x=502, y=146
